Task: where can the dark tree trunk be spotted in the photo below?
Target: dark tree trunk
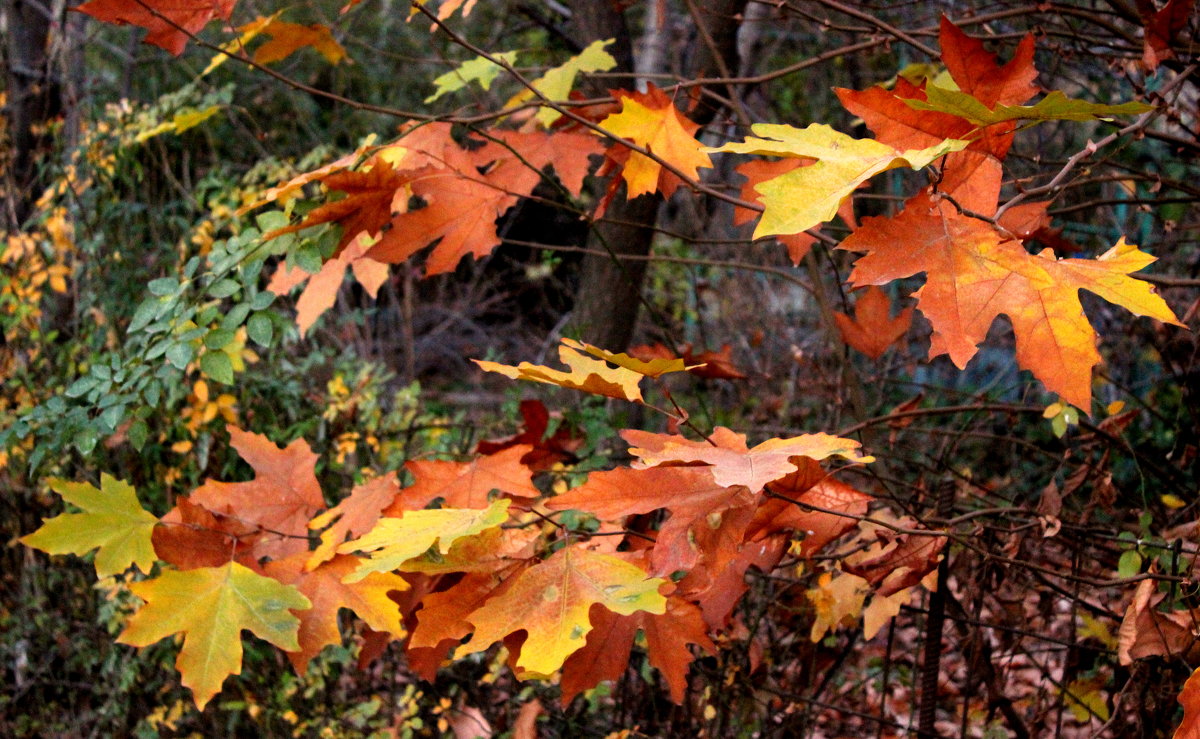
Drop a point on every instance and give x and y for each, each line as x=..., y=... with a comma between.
x=606, y=308
x=33, y=99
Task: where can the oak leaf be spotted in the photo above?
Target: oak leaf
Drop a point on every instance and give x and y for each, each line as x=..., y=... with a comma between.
x=732, y=461
x=211, y=606
x=977, y=73
x=838, y=601
x=550, y=602
x=808, y=196
x=1148, y=632
x=545, y=452
x=606, y=653
x=973, y=274
x=354, y=516
x=1189, y=698
x=325, y=589
x=873, y=330
x=281, y=498
x=394, y=541
x=112, y=522
x=322, y=289
x=586, y=374
x=1054, y=107
x=840, y=505
x=690, y=494
x=170, y=22
x=288, y=38
x=555, y=85
x=480, y=70
x=650, y=120
x=757, y=171
x=1161, y=28
x=466, y=484
x=192, y=536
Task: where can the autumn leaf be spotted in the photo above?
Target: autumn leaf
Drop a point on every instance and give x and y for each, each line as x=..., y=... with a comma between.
x=977, y=73
x=652, y=367
x=1189, y=698
x=192, y=536
x=837, y=601
x=480, y=70
x=841, y=504
x=466, y=484
x=555, y=85
x=1148, y=632
x=442, y=619
x=873, y=330
x=550, y=602
x=589, y=375
x=354, y=516
x=211, y=606
x=1054, y=107
x=170, y=22
x=895, y=561
x=650, y=120
x=288, y=38
x=322, y=289
x=1161, y=28
x=394, y=541
x=808, y=196
x=605, y=656
x=488, y=551
x=545, y=452
x=732, y=461
x=281, y=498
x=973, y=274
x=325, y=589
x=757, y=171
x=112, y=522
x=691, y=494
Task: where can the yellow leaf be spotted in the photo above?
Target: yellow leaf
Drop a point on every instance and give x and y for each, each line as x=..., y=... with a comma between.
x=652, y=121
x=838, y=602
x=210, y=606
x=112, y=521
x=394, y=541
x=556, y=83
x=651, y=368
x=807, y=196
x=588, y=375
x=550, y=602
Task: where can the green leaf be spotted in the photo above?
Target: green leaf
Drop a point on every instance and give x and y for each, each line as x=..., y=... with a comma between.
x=138, y=433
x=219, y=338
x=1130, y=563
x=556, y=83
x=260, y=329
x=163, y=286
x=179, y=354
x=1054, y=107
x=479, y=69
x=223, y=288
x=112, y=521
x=217, y=366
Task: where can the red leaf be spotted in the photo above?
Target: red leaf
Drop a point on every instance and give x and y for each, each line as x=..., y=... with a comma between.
x=170, y=22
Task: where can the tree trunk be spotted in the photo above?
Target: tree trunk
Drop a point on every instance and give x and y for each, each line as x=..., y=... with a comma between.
x=606, y=308
x=33, y=99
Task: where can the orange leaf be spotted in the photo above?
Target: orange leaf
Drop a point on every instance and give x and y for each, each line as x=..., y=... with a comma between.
x=873, y=330
x=280, y=499
x=288, y=38
x=550, y=602
x=1189, y=698
x=606, y=654
x=170, y=22
x=192, y=536
x=466, y=484
x=733, y=463
x=976, y=72
x=322, y=289
x=325, y=588
x=354, y=516
x=973, y=275
x=650, y=120
x=1162, y=26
